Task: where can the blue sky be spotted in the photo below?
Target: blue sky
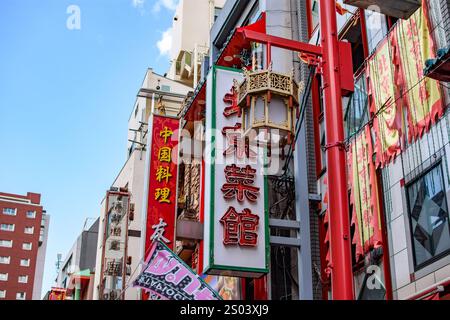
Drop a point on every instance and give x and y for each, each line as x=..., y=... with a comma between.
x=65, y=99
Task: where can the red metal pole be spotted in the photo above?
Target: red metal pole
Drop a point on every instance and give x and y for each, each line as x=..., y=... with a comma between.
x=340, y=242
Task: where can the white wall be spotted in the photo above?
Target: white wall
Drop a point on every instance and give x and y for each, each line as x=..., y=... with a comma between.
x=399, y=232
x=40, y=261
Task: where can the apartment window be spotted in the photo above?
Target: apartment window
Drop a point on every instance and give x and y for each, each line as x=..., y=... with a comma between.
x=23, y=279
x=376, y=28
x=315, y=13
x=353, y=34
x=429, y=218
x=29, y=230
x=31, y=214
x=6, y=243
x=21, y=296
x=24, y=262
x=7, y=227
x=356, y=113
x=5, y=260
x=10, y=211
x=2, y=294
x=3, y=277
x=27, y=246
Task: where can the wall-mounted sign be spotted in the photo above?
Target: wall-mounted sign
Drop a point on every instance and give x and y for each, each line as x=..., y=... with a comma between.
x=57, y=294
x=161, y=203
x=114, y=267
x=167, y=277
x=236, y=218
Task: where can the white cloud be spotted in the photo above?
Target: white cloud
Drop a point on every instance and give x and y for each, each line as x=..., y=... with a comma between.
x=168, y=4
x=138, y=3
x=165, y=43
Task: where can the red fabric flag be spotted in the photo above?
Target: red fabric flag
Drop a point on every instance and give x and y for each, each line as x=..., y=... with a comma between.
x=363, y=184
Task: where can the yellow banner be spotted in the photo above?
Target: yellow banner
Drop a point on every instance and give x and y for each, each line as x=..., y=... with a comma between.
x=422, y=94
x=382, y=89
x=364, y=195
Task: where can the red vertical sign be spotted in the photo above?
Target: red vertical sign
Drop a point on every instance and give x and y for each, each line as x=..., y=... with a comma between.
x=162, y=182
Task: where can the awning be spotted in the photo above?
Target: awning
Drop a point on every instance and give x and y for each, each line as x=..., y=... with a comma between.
x=439, y=68
x=236, y=42
x=195, y=108
x=229, y=56
x=82, y=277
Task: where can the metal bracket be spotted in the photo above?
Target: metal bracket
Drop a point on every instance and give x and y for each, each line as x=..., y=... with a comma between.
x=340, y=144
x=284, y=224
x=284, y=241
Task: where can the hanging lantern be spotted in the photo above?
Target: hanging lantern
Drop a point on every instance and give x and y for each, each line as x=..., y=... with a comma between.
x=268, y=100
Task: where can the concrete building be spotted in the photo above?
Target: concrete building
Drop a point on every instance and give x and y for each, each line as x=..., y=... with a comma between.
x=76, y=274
x=280, y=19
x=23, y=242
x=411, y=259
x=190, y=38
x=160, y=95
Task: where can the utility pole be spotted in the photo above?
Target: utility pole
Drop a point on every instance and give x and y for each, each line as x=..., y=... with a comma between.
x=338, y=207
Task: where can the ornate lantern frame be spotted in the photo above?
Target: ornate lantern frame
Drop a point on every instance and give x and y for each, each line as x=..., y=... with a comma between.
x=267, y=85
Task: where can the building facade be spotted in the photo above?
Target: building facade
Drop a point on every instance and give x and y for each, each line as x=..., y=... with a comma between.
x=23, y=241
x=159, y=95
x=77, y=271
x=190, y=38
x=398, y=213
x=274, y=240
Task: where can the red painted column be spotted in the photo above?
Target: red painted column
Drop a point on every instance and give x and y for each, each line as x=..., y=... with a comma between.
x=260, y=288
x=340, y=242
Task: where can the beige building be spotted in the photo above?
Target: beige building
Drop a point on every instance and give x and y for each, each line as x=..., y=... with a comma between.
x=161, y=96
x=191, y=26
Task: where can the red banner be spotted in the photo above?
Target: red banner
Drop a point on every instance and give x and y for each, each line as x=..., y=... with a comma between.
x=162, y=182
x=364, y=195
x=57, y=294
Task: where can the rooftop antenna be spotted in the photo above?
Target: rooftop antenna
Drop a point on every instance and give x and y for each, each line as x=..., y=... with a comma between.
x=58, y=262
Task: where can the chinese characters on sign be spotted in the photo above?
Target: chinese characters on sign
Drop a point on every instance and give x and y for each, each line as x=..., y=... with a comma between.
x=162, y=181
x=239, y=184
x=239, y=228
x=158, y=234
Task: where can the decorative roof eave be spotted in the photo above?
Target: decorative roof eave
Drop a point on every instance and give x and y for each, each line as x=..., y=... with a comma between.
x=194, y=109
x=229, y=56
x=195, y=105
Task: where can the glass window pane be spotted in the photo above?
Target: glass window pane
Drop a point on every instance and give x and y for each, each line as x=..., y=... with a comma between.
x=429, y=216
